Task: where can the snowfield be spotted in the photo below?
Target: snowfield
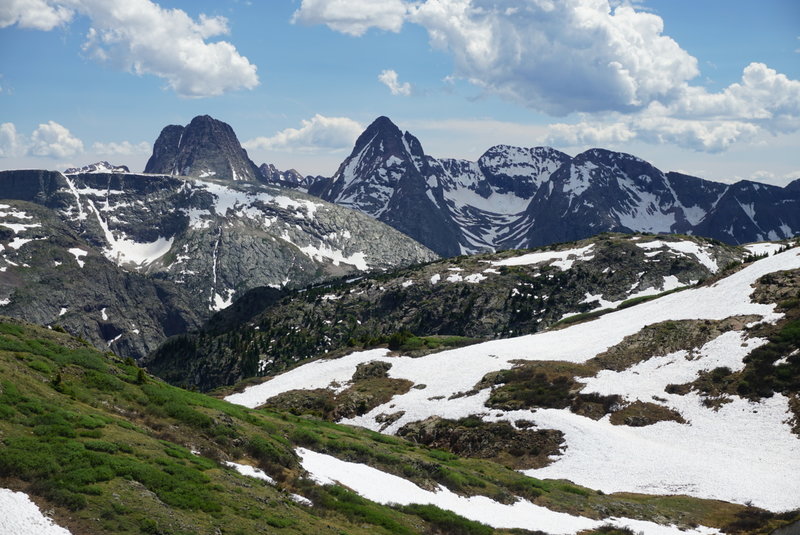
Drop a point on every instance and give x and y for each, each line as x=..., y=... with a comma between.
x=560, y=259
x=386, y=488
x=20, y=516
x=740, y=453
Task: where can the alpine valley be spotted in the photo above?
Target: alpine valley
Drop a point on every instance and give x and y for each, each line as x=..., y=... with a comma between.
x=532, y=343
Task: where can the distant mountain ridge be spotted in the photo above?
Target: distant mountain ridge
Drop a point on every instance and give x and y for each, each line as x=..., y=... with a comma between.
x=98, y=167
x=510, y=198
x=515, y=197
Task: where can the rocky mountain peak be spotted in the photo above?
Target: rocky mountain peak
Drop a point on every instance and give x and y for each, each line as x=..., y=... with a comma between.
x=386, y=177
x=519, y=170
x=383, y=135
x=383, y=158
x=206, y=147
x=98, y=167
x=290, y=178
x=607, y=155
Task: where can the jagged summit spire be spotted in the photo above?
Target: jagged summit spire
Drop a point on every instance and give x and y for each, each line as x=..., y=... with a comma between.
x=381, y=129
x=206, y=147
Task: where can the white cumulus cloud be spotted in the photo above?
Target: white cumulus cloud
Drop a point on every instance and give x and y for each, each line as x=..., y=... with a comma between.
x=123, y=148
x=607, y=60
x=390, y=79
x=35, y=14
x=143, y=38
x=559, y=57
x=763, y=96
x=11, y=143
x=54, y=140
x=317, y=133
x=587, y=133
x=764, y=101
x=353, y=17
x=705, y=136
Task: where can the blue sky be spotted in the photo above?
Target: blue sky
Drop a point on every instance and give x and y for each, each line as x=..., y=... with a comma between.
x=711, y=88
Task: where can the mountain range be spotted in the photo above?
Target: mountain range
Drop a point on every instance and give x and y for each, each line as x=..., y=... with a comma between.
x=510, y=198
x=515, y=198
x=204, y=224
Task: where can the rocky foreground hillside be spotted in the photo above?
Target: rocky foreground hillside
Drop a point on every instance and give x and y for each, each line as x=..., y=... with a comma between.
x=162, y=253
x=459, y=300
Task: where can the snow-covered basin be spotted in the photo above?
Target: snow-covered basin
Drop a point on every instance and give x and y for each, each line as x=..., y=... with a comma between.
x=20, y=516
x=707, y=457
x=386, y=488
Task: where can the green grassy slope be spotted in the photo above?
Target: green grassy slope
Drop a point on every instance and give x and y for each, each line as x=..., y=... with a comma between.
x=109, y=449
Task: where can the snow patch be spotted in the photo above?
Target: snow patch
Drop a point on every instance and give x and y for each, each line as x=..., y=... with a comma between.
x=78, y=254
x=19, y=227
x=23, y=517
x=250, y=471
x=302, y=500
x=323, y=252
x=560, y=259
x=767, y=248
x=222, y=302
x=16, y=243
x=685, y=247
x=384, y=488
